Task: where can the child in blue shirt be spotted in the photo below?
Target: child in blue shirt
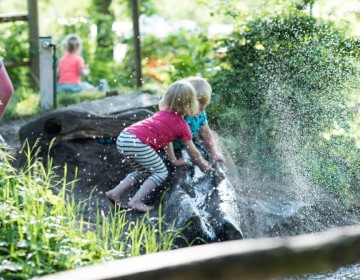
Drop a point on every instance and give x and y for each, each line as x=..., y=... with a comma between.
x=198, y=124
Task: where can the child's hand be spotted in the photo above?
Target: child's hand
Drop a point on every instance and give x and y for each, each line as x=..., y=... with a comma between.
x=208, y=169
x=85, y=71
x=218, y=157
x=179, y=162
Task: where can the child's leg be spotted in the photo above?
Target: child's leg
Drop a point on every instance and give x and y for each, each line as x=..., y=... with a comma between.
x=136, y=202
x=125, y=144
x=159, y=173
x=116, y=193
x=146, y=161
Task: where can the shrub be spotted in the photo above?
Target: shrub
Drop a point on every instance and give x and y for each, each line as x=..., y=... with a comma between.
x=283, y=81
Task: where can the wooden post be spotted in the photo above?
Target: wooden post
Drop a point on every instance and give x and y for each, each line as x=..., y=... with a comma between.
x=137, y=47
x=34, y=41
x=47, y=95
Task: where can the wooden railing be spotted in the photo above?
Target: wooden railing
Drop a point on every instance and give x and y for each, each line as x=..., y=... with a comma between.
x=13, y=17
x=251, y=259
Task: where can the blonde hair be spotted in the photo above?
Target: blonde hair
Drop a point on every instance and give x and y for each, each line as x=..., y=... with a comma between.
x=202, y=88
x=72, y=43
x=180, y=97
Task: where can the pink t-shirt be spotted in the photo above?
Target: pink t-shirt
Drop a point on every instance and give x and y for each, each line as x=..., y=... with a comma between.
x=160, y=129
x=69, y=69
x=6, y=88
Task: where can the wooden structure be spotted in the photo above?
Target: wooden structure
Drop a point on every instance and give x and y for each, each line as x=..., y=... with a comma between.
x=253, y=259
x=47, y=75
x=32, y=18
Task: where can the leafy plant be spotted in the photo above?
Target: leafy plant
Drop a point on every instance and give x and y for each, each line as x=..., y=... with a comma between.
x=284, y=80
x=14, y=48
x=42, y=230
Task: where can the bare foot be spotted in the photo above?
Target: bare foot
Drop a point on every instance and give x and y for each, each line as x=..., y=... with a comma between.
x=113, y=197
x=116, y=200
x=140, y=206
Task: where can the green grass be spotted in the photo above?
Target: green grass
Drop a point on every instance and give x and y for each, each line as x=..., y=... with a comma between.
x=64, y=99
x=42, y=232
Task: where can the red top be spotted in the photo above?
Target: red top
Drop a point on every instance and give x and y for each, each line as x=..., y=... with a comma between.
x=69, y=69
x=6, y=88
x=160, y=129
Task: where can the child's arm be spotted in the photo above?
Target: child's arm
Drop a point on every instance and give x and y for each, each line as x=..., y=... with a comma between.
x=196, y=156
x=169, y=149
x=84, y=71
x=207, y=137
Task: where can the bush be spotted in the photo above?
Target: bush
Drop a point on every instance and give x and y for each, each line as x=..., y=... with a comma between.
x=14, y=47
x=177, y=56
x=283, y=81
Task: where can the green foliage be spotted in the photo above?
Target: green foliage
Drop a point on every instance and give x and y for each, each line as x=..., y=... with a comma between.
x=284, y=80
x=24, y=102
x=65, y=99
x=14, y=47
x=335, y=163
x=43, y=232
x=102, y=16
x=192, y=54
x=177, y=56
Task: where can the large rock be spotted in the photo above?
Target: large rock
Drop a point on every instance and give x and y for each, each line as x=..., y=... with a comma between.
x=89, y=120
x=204, y=206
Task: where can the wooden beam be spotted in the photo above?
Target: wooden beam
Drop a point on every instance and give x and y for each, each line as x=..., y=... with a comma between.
x=13, y=17
x=34, y=41
x=137, y=42
x=252, y=259
x=9, y=64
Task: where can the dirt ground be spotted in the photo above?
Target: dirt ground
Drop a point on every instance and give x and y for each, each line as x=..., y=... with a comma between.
x=10, y=132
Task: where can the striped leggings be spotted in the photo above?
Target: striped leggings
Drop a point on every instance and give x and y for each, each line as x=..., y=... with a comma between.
x=145, y=159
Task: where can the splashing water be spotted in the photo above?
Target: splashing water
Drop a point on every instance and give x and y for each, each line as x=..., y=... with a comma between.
x=293, y=179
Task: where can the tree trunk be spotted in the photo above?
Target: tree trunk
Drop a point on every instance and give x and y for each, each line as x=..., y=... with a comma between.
x=104, y=19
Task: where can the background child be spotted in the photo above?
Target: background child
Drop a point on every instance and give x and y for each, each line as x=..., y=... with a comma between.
x=6, y=91
x=6, y=88
x=72, y=66
x=198, y=123
x=140, y=141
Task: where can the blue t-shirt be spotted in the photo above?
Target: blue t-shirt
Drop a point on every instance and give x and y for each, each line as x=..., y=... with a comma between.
x=195, y=123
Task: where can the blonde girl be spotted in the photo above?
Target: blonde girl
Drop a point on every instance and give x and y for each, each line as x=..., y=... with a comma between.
x=198, y=124
x=139, y=143
x=72, y=66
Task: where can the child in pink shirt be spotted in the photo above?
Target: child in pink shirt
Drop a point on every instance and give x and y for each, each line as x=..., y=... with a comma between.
x=72, y=66
x=140, y=141
x=6, y=88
